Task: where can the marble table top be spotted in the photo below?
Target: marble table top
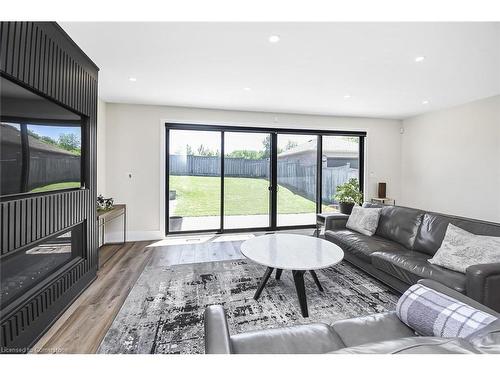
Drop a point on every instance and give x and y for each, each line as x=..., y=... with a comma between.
x=292, y=252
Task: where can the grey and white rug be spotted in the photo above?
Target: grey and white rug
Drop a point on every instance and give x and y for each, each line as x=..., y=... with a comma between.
x=164, y=310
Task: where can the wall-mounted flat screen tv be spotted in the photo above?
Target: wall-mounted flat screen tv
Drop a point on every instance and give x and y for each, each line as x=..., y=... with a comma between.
x=40, y=143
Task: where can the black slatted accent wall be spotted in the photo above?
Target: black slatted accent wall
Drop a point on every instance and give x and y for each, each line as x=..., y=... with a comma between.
x=40, y=56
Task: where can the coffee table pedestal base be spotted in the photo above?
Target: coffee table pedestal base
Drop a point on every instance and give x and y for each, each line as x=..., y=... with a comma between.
x=298, y=278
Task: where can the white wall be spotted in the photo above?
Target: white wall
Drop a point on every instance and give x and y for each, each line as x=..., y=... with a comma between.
x=134, y=144
x=451, y=160
x=101, y=147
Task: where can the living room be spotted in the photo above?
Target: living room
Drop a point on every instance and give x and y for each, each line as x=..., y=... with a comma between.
x=261, y=186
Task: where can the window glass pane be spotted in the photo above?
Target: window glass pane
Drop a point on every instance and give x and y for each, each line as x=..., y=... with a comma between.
x=340, y=162
x=194, y=180
x=246, y=180
x=297, y=160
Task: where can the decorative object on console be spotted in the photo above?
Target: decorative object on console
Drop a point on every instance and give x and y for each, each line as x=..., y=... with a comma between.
x=431, y=313
x=104, y=204
x=364, y=220
x=382, y=191
x=348, y=195
x=461, y=249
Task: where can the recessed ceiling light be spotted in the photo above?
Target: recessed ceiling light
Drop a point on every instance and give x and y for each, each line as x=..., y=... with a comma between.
x=247, y=89
x=347, y=96
x=425, y=102
x=419, y=58
x=132, y=79
x=274, y=39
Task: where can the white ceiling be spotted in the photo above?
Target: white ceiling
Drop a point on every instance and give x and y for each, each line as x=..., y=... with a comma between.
x=309, y=70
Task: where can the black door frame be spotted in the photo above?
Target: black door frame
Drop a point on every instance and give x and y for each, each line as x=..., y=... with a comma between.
x=273, y=172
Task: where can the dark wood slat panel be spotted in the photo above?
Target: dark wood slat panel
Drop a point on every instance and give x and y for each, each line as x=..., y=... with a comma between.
x=22, y=49
x=12, y=225
x=4, y=210
x=29, y=227
x=15, y=49
x=23, y=226
x=4, y=37
x=9, y=50
x=32, y=55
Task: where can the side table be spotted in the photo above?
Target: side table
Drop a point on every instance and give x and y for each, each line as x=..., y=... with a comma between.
x=386, y=201
x=105, y=216
x=321, y=220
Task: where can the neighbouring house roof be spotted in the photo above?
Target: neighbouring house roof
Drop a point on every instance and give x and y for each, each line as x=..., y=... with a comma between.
x=332, y=147
x=12, y=135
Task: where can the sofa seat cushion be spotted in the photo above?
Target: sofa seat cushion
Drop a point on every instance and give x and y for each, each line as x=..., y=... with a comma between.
x=411, y=266
x=359, y=244
x=372, y=328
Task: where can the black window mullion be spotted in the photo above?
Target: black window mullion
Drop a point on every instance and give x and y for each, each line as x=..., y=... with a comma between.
x=319, y=174
x=222, y=174
x=167, y=180
x=361, y=167
x=274, y=180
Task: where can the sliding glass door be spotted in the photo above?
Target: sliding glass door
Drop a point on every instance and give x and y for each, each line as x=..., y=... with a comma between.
x=234, y=178
x=246, y=180
x=297, y=179
x=340, y=162
x=194, y=181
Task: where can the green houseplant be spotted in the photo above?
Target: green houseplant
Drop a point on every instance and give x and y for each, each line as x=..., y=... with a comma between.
x=348, y=195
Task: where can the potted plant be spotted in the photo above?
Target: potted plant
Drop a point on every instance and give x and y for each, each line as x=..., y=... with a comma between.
x=348, y=195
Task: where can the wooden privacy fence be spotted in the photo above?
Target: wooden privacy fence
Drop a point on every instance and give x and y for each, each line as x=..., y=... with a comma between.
x=301, y=179
x=44, y=171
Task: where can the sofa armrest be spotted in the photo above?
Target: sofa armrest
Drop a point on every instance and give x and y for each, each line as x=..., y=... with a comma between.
x=336, y=221
x=438, y=287
x=413, y=345
x=315, y=338
x=483, y=284
x=217, y=340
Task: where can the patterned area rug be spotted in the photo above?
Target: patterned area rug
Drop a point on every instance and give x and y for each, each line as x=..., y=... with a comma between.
x=164, y=311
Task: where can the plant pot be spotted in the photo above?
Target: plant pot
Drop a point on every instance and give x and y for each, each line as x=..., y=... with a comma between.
x=175, y=223
x=172, y=194
x=345, y=208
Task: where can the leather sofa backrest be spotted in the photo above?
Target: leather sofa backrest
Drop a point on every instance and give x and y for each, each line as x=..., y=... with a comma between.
x=433, y=228
x=399, y=224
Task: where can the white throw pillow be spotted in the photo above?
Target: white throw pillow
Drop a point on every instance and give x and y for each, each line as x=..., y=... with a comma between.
x=364, y=220
x=461, y=249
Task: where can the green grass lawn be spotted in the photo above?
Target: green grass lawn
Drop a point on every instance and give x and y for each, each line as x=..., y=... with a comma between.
x=200, y=196
x=57, y=186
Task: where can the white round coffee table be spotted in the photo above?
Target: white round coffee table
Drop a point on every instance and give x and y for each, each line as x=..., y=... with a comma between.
x=294, y=252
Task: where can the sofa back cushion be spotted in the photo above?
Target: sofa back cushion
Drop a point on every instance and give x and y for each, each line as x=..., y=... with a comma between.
x=431, y=233
x=399, y=224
